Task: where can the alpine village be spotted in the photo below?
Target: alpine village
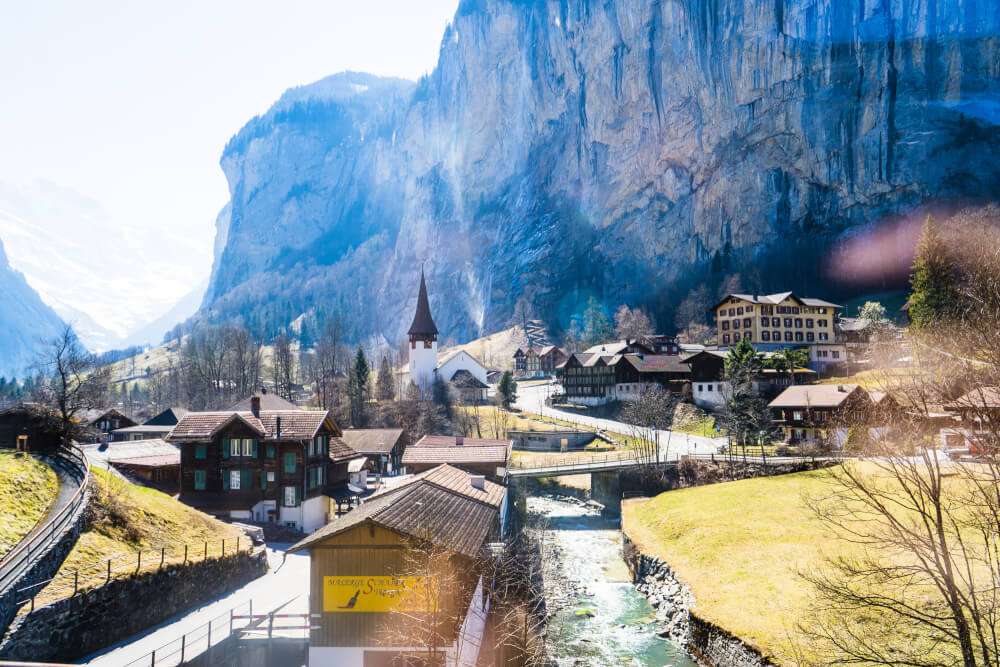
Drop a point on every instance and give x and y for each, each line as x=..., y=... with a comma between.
x=653, y=334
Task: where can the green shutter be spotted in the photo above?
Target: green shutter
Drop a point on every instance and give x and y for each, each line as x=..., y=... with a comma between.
x=199, y=480
x=200, y=451
x=270, y=451
x=263, y=480
x=290, y=462
x=254, y=448
x=225, y=479
x=246, y=479
x=298, y=495
x=225, y=448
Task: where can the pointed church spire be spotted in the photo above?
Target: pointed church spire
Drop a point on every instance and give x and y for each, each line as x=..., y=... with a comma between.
x=423, y=327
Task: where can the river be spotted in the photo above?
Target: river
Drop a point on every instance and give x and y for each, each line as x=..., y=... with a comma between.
x=596, y=616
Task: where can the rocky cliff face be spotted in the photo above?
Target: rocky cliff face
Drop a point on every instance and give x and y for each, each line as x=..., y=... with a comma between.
x=25, y=321
x=628, y=149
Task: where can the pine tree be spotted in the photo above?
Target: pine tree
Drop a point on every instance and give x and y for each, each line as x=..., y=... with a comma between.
x=384, y=389
x=934, y=296
x=359, y=389
x=596, y=325
x=507, y=388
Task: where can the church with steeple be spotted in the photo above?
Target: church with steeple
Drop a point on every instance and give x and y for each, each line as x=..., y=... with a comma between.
x=465, y=373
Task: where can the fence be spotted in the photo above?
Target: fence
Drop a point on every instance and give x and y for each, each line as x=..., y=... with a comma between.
x=576, y=460
x=97, y=574
x=24, y=554
x=207, y=638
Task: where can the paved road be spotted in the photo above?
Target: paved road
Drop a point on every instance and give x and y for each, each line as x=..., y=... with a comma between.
x=531, y=398
x=285, y=587
x=69, y=483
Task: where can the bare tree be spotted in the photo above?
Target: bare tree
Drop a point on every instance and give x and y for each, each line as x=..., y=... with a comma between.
x=283, y=366
x=652, y=411
x=326, y=360
x=632, y=323
x=72, y=381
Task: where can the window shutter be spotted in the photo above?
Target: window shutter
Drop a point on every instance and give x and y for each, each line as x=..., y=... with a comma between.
x=270, y=451
x=225, y=479
x=298, y=495
x=253, y=449
x=225, y=448
x=263, y=480
x=246, y=479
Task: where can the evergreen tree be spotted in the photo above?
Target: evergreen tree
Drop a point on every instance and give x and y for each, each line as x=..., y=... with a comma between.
x=934, y=295
x=384, y=389
x=747, y=417
x=359, y=389
x=596, y=325
x=507, y=388
x=441, y=395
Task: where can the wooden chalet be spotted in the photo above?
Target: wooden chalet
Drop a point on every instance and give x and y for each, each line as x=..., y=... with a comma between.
x=824, y=412
x=40, y=428
x=975, y=420
x=152, y=462
x=103, y=422
x=710, y=389
x=594, y=378
x=262, y=465
x=383, y=447
x=540, y=362
x=156, y=427
x=381, y=570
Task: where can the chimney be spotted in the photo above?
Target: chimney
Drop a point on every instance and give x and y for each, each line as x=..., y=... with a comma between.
x=841, y=388
x=255, y=406
x=459, y=440
x=277, y=428
x=478, y=482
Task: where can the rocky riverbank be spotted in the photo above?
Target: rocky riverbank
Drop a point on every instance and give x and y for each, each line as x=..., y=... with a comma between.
x=673, y=601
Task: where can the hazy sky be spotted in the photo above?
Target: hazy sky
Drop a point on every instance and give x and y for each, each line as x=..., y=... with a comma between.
x=130, y=103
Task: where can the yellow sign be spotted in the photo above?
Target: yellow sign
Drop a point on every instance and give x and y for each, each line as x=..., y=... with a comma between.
x=350, y=594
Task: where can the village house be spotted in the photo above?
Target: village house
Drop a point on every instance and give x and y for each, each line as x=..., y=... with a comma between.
x=537, y=363
x=482, y=455
x=103, y=422
x=407, y=555
x=595, y=378
x=30, y=426
x=156, y=427
x=774, y=321
x=262, y=465
x=823, y=413
x=383, y=447
x=710, y=389
x=152, y=462
x=424, y=367
x=976, y=417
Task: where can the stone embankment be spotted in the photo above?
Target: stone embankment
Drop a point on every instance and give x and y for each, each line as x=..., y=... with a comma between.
x=673, y=601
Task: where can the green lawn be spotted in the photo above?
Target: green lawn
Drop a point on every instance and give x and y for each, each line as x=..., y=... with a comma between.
x=739, y=546
x=27, y=487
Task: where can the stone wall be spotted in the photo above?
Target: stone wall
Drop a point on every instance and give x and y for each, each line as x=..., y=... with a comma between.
x=550, y=441
x=672, y=600
x=78, y=626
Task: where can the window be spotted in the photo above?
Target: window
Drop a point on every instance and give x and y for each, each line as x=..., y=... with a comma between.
x=289, y=461
x=248, y=447
x=788, y=323
x=810, y=336
x=200, y=480
x=312, y=478
x=798, y=322
x=748, y=335
x=749, y=309
x=776, y=335
x=822, y=311
x=234, y=480
x=788, y=336
x=270, y=475
x=821, y=323
x=775, y=321
x=201, y=451
x=823, y=336
x=797, y=415
x=764, y=322
x=798, y=336
x=736, y=324
x=732, y=311
x=809, y=323
x=701, y=387
x=725, y=325
x=320, y=445
x=747, y=323
x=270, y=451
x=710, y=387
x=291, y=495
x=725, y=339
x=836, y=354
x=765, y=335
x=795, y=310
x=739, y=311
x=736, y=337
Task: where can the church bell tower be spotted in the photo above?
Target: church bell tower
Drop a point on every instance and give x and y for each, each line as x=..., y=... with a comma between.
x=423, y=341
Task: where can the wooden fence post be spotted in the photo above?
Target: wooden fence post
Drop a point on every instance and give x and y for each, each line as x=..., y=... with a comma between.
x=109, y=571
x=206, y=550
x=223, y=547
x=185, y=554
x=183, y=642
x=138, y=562
x=76, y=580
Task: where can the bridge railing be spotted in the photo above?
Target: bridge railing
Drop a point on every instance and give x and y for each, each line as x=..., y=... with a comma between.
x=38, y=541
x=575, y=460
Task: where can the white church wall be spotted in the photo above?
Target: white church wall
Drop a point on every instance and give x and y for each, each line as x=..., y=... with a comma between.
x=462, y=361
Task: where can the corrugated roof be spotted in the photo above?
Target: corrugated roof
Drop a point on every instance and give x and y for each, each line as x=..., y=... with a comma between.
x=372, y=440
x=161, y=461
x=469, y=455
x=813, y=395
x=456, y=480
x=452, y=441
x=423, y=511
x=121, y=451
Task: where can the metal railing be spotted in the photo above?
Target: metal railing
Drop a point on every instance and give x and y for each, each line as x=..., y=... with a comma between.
x=98, y=574
x=207, y=638
x=38, y=541
x=566, y=464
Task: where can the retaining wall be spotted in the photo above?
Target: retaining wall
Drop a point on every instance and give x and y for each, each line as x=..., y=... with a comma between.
x=88, y=622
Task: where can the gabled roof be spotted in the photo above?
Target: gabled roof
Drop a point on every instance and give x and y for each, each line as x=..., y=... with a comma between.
x=608, y=349
x=456, y=480
x=445, y=449
x=423, y=323
x=168, y=417
x=814, y=396
x=423, y=511
x=295, y=424
x=657, y=363
x=372, y=440
x=463, y=379
x=448, y=356
x=94, y=415
x=981, y=398
x=773, y=299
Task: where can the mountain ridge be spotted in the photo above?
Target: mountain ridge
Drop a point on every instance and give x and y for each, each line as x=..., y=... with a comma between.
x=630, y=151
